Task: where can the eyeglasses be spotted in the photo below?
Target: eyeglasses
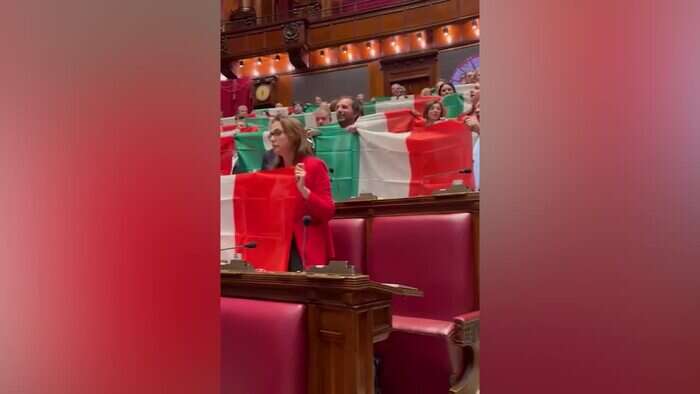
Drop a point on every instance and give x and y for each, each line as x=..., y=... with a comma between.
x=274, y=133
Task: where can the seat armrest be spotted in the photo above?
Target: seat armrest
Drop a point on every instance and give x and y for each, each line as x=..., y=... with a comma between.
x=422, y=326
x=466, y=334
x=467, y=329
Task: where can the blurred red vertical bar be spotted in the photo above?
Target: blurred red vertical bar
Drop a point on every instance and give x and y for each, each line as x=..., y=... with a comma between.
x=109, y=197
x=590, y=181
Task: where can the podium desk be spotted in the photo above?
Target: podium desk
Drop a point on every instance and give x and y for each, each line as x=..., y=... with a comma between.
x=346, y=315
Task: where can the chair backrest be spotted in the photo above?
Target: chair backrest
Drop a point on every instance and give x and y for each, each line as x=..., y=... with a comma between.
x=349, y=241
x=431, y=252
x=260, y=340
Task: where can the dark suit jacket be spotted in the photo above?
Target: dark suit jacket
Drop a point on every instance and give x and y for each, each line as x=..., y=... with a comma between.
x=268, y=160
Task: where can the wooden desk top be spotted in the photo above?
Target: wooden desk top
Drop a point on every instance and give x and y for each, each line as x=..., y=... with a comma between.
x=316, y=288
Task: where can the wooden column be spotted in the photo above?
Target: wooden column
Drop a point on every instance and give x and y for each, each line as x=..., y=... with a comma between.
x=344, y=346
x=376, y=79
x=284, y=92
x=258, y=8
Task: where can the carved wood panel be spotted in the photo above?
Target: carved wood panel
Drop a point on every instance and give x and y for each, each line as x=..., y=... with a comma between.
x=413, y=71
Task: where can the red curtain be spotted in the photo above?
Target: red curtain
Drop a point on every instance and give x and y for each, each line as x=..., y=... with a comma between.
x=234, y=93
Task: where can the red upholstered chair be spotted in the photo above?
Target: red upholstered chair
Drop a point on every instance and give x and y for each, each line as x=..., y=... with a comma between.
x=349, y=241
x=435, y=339
x=263, y=347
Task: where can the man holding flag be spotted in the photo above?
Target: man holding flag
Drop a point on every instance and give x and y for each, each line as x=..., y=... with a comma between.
x=348, y=110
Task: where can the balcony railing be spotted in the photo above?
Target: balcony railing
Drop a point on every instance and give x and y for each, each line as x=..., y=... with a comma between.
x=343, y=10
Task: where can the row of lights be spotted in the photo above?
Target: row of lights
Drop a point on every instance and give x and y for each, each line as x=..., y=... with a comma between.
x=259, y=62
x=370, y=48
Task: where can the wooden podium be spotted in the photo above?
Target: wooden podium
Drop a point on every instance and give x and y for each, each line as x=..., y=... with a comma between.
x=346, y=315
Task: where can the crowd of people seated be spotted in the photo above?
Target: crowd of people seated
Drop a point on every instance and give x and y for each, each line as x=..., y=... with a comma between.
x=348, y=110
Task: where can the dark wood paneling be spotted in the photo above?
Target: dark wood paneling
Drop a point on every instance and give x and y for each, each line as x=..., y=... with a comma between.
x=284, y=88
x=414, y=71
x=317, y=35
x=462, y=202
x=255, y=41
x=445, y=11
x=344, y=31
x=323, y=33
x=376, y=79
x=274, y=40
x=418, y=17
x=468, y=7
x=392, y=22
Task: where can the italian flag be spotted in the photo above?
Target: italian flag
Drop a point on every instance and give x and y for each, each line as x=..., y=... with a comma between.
x=340, y=151
x=416, y=103
x=284, y=111
x=231, y=120
x=456, y=104
x=258, y=207
x=308, y=119
x=389, y=156
x=228, y=121
x=262, y=123
x=227, y=145
x=465, y=88
x=250, y=148
x=397, y=160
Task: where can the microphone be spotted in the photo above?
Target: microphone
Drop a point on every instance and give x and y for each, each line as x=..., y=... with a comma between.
x=306, y=220
x=247, y=245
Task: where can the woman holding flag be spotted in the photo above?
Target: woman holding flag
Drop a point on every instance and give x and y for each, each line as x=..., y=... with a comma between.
x=434, y=112
x=311, y=242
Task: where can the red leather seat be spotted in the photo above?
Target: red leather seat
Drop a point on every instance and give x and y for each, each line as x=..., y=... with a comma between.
x=263, y=347
x=433, y=253
x=349, y=241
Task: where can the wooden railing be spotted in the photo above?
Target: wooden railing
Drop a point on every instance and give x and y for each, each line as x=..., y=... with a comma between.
x=318, y=14
x=327, y=32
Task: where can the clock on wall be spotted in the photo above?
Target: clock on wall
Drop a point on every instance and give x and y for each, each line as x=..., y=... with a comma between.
x=262, y=92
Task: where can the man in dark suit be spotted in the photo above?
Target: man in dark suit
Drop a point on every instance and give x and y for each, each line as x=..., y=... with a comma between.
x=269, y=160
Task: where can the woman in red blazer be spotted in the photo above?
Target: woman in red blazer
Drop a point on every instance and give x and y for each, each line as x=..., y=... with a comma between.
x=315, y=204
